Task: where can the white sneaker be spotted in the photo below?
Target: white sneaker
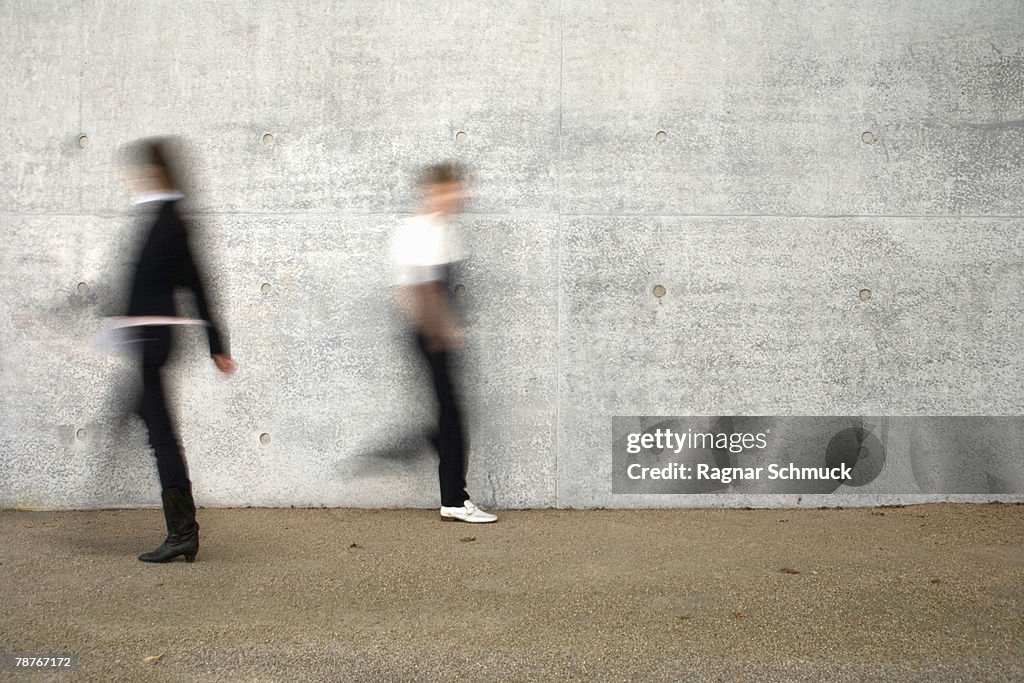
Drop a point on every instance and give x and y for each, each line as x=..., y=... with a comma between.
x=467, y=513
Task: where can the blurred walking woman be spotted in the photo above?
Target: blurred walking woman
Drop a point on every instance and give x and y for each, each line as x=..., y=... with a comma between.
x=165, y=263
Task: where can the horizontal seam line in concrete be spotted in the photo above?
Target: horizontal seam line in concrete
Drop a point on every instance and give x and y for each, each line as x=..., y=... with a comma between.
x=539, y=215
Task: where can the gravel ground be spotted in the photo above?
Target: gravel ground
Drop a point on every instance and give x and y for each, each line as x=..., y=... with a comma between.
x=930, y=592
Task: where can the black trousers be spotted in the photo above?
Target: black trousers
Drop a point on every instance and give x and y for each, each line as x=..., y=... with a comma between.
x=450, y=439
x=170, y=461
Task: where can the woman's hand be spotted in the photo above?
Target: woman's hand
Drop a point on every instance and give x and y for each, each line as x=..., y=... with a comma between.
x=224, y=363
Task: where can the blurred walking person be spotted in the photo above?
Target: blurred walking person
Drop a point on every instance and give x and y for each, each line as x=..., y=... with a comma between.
x=424, y=248
x=165, y=263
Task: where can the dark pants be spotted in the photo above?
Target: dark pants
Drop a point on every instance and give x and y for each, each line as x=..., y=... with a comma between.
x=170, y=462
x=450, y=439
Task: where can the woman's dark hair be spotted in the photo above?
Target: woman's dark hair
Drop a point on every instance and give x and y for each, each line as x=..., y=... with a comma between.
x=443, y=173
x=160, y=152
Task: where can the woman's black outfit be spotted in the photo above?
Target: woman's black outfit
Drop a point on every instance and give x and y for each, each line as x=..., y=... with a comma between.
x=165, y=263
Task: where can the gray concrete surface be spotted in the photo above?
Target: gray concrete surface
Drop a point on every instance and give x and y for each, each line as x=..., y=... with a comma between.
x=809, y=153
x=921, y=593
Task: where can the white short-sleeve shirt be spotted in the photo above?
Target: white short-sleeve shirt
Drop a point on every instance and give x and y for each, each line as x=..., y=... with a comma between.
x=422, y=246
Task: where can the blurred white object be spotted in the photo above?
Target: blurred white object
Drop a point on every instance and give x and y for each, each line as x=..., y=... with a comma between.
x=116, y=336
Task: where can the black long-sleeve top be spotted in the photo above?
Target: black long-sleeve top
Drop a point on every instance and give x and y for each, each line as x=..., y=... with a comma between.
x=166, y=262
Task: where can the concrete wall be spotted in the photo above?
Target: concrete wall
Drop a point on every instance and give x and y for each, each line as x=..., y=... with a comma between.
x=810, y=152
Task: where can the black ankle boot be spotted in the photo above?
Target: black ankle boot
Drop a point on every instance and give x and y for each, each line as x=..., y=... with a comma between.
x=182, y=530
